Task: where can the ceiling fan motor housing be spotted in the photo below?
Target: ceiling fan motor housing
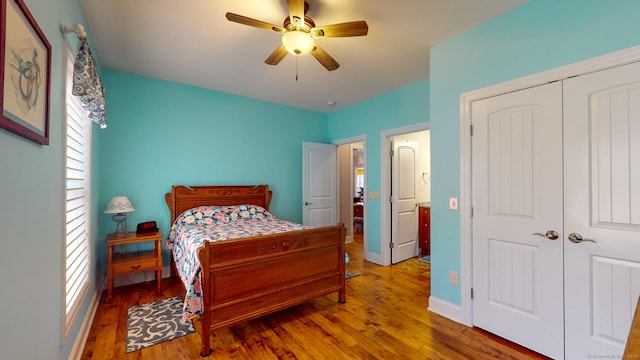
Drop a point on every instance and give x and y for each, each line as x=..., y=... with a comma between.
x=305, y=25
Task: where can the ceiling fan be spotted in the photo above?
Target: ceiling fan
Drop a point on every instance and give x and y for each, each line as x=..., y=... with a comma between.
x=299, y=31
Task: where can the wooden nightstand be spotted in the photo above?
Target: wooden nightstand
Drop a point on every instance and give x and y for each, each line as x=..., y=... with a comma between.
x=131, y=262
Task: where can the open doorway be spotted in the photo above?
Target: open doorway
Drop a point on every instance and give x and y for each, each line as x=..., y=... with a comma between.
x=352, y=185
x=419, y=193
x=411, y=195
x=357, y=186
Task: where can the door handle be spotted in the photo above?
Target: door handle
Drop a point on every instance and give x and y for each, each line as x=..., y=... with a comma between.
x=551, y=235
x=307, y=203
x=577, y=238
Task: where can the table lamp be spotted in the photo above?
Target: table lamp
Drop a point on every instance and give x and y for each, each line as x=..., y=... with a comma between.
x=119, y=205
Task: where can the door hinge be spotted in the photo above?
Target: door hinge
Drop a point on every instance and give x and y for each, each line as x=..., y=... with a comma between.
x=472, y=211
x=471, y=293
x=391, y=198
x=471, y=129
x=390, y=245
x=391, y=153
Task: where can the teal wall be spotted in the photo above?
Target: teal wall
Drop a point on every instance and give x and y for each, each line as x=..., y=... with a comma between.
x=407, y=106
x=162, y=133
x=31, y=216
x=537, y=36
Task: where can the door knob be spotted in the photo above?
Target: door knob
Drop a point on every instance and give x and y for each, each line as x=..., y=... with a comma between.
x=577, y=238
x=307, y=203
x=551, y=235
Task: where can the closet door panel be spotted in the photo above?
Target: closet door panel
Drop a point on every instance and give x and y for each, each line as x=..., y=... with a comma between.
x=602, y=197
x=517, y=199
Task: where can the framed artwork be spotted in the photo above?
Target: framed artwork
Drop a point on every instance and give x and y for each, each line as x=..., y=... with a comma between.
x=25, y=74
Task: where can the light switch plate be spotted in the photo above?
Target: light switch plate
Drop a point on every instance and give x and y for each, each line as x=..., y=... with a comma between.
x=453, y=277
x=453, y=203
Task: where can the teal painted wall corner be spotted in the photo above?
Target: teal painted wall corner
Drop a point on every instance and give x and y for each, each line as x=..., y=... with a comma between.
x=162, y=133
x=32, y=217
x=397, y=109
x=540, y=35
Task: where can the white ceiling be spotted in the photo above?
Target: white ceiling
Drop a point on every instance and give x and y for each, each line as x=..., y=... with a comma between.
x=191, y=42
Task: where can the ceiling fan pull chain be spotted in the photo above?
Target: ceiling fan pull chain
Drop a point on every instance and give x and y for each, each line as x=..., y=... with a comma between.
x=297, y=67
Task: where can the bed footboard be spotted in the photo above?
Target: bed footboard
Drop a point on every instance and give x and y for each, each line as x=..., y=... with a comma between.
x=251, y=277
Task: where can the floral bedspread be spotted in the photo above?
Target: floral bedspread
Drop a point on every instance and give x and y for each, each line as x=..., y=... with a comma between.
x=214, y=223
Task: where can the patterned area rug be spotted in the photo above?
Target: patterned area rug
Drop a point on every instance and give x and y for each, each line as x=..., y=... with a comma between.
x=156, y=322
x=425, y=259
x=350, y=274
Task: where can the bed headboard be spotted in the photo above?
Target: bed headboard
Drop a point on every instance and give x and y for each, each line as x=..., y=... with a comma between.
x=183, y=198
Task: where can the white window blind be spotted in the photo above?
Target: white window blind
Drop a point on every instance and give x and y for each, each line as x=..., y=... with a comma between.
x=78, y=189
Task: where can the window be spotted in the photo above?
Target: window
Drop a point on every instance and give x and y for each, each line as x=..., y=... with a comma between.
x=77, y=205
x=359, y=182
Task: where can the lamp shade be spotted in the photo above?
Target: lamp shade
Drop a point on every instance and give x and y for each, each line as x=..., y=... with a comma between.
x=298, y=42
x=119, y=204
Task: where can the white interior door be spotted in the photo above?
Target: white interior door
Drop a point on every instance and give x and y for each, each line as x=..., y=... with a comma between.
x=319, y=184
x=404, y=228
x=602, y=203
x=517, y=200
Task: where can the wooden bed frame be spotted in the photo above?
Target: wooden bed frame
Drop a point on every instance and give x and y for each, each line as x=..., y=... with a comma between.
x=247, y=278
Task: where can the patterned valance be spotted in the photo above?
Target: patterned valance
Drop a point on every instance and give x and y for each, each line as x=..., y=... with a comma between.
x=88, y=85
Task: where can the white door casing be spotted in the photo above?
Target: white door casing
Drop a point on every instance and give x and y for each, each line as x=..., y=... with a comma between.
x=602, y=203
x=601, y=175
x=517, y=193
x=319, y=184
x=466, y=312
x=404, y=217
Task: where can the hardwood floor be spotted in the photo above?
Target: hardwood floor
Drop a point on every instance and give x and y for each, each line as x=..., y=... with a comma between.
x=385, y=317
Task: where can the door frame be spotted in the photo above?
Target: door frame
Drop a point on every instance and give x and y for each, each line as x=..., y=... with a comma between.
x=347, y=141
x=385, y=185
x=602, y=62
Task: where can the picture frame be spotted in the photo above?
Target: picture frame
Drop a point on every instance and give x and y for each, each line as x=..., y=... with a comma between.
x=25, y=73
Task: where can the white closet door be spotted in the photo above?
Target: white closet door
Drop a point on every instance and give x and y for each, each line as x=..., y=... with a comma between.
x=602, y=203
x=517, y=192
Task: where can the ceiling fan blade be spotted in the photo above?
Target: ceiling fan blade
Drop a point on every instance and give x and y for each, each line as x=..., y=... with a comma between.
x=255, y=23
x=324, y=58
x=296, y=9
x=354, y=28
x=277, y=56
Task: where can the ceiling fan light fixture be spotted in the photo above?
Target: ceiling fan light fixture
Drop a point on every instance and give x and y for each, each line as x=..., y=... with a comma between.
x=298, y=42
x=299, y=32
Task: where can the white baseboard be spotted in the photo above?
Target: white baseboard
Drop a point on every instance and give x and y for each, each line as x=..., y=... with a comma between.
x=374, y=258
x=446, y=309
x=83, y=333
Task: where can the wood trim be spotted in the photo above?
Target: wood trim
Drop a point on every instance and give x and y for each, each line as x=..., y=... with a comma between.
x=247, y=278
x=183, y=198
